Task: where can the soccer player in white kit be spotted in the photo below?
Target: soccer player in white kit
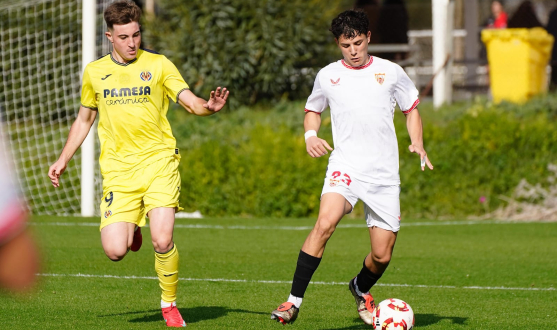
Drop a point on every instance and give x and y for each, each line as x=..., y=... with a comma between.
x=361, y=91
x=19, y=257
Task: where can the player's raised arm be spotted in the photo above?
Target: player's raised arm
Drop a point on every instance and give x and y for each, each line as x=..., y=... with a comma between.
x=78, y=132
x=415, y=129
x=199, y=106
x=315, y=146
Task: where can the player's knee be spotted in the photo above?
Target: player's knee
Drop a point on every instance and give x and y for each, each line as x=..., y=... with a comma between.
x=116, y=254
x=381, y=259
x=163, y=244
x=324, y=228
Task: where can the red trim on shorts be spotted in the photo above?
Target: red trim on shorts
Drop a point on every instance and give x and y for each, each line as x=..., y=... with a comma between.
x=412, y=107
x=358, y=67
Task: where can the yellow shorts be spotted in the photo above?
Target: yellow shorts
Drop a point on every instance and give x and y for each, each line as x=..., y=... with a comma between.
x=129, y=196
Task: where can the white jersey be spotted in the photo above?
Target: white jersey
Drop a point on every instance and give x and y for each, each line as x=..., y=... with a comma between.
x=362, y=101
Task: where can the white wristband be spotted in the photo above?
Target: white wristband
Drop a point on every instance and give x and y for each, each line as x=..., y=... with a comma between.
x=310, y=133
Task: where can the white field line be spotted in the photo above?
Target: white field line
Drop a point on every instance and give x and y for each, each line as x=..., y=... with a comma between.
x=206, y=226
x=289, y=282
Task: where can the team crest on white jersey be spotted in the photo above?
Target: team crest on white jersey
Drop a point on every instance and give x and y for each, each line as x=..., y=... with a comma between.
x=145, y=76
x=380, y=77
x=335, y=82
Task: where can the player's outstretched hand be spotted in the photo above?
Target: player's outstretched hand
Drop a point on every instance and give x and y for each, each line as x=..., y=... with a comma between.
x=217, y=99
x=55, y=171
x=424, y=160
x=317, y=147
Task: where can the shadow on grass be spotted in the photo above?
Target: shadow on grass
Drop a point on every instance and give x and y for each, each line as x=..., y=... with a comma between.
x=428, y=319
x=190, y=315
x=421, y=320
x=358, y=324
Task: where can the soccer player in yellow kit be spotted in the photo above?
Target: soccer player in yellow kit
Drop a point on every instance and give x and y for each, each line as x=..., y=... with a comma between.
x=130, y=88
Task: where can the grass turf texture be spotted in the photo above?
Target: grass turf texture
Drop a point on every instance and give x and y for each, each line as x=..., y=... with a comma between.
x=445, y=259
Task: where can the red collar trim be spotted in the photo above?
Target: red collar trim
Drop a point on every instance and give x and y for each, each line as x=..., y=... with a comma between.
x=358, y=67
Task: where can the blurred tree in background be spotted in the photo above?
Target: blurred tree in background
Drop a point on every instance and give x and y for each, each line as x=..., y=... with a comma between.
x=258, y=49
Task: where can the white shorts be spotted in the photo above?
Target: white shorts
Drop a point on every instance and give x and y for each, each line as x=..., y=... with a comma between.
x=381, y=203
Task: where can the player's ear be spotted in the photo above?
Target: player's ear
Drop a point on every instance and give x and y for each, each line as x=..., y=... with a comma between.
x=368, y=37
x=108, y=35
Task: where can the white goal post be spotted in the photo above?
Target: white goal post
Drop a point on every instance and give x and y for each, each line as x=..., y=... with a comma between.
x=88, y=51
x=45, y=46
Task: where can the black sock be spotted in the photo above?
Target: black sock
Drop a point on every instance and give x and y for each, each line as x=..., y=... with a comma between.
x=366, y=279
x=304, y=271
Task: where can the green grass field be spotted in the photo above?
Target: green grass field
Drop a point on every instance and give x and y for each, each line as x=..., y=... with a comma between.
x=455, y=275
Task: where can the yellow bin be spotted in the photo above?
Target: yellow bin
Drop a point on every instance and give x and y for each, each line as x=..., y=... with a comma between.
x=517, y=62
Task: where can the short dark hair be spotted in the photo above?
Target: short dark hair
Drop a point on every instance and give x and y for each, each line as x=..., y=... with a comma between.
x=122, y=12
x=350, y=24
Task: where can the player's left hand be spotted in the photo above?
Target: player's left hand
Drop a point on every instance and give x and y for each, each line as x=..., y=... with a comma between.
x=423, y=156
x=217, y=99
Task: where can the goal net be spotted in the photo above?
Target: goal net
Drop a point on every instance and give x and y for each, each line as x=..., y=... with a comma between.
x=40, y=81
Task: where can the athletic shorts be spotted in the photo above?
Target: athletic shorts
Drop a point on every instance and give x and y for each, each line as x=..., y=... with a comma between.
x=129, y=196
x=381, y=202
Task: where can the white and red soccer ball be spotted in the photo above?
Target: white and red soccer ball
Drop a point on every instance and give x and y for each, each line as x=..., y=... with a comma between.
x=393, y=314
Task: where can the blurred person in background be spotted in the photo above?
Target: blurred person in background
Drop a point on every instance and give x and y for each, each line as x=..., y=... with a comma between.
x=361, y=91
x=498, y=18
x=19, y=259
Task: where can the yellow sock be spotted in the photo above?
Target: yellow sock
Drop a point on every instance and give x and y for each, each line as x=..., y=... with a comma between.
x=166, y=266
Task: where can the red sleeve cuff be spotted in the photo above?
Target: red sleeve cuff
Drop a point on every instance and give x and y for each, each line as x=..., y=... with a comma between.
x=307, y=110
x=412, y=107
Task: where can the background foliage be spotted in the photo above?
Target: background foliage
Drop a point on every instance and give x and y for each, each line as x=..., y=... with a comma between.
x=252, y=162
x=260, y=49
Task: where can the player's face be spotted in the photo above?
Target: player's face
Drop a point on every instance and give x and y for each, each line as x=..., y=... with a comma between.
x=354, y=50
x=126, y=40
x=496, y=8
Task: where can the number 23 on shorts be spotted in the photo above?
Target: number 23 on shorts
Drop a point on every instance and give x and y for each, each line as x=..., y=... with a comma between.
x=338, y=177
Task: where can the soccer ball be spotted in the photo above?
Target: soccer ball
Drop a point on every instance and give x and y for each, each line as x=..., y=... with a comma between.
x=393, y=314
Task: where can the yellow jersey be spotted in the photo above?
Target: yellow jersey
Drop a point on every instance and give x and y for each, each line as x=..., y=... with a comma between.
x=132, y=100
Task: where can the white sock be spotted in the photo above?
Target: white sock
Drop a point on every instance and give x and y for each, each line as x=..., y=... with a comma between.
x=357, y=289
x=297, y=301
x=165, y=304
